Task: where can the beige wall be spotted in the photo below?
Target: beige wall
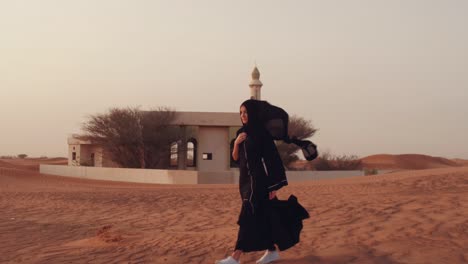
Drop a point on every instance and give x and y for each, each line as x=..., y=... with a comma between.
x=73, y=148
x=181, y=176
x=83, y=150
x=232, y=176
x=124, y=175
x=211, y=119
x=85, y=155
x=218, y=177
x=213, y=140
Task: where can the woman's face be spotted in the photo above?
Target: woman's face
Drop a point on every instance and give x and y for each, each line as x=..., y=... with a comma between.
x=243, y=115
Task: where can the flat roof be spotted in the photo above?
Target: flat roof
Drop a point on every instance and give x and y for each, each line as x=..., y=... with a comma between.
x=207, y=119
x=72, y=140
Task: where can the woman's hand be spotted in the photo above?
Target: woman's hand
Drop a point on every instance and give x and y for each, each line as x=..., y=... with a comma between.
x=272, y=195
x=240, y=138
x=235, y=152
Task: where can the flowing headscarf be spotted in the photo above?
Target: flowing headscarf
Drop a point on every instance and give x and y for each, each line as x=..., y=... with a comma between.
x=265, y=119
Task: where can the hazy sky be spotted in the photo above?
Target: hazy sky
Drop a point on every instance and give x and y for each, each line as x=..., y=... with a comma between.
x=374, y=76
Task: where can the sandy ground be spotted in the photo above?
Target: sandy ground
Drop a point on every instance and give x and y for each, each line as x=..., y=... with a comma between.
x=406, y=217
x=395, y=162
x=409, y=162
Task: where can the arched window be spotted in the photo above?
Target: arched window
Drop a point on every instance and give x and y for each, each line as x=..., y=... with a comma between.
x=174, y=155
x=191, y=153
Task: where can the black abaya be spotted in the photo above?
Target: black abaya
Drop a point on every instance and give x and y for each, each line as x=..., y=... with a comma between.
x=262, y=171
x=255, y=155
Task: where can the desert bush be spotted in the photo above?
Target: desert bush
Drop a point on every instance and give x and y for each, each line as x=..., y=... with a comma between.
x=22, y=156
x=134, y=138
x=327, y=161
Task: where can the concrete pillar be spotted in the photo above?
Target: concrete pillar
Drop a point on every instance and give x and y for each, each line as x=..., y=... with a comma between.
x=182, y=150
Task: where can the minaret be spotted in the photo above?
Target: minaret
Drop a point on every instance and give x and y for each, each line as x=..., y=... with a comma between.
x=255, y=85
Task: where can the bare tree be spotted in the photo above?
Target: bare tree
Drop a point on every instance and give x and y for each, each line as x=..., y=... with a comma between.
x=133, y=138
x=300, y=128
x=158, y=135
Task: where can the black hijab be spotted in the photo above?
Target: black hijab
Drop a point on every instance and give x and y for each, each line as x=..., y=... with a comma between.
x=254, y=127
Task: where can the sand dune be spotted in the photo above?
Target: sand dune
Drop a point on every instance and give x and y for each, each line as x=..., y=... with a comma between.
x=407, y=161
x=31, y=163
x=397, y=162
x=6, y=164
x=461, y=162
x=406, y=217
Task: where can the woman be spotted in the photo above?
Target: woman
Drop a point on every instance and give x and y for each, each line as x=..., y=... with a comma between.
x=261, y=175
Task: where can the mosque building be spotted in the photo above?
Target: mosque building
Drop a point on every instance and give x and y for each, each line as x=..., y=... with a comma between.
x=208, y=149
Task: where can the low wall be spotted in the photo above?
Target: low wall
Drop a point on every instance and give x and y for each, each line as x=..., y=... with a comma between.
x=122, y=174
x=218, y=177
x=298, y=176
x=181, y=176
x=232, y=176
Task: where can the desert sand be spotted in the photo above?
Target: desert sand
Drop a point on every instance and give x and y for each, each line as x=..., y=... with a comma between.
x=395, y=162
x=405, y=217
x=409, y=162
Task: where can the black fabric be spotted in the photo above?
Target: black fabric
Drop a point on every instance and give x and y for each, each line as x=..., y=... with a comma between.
x=274, y=222
x=263, y=222
x=286, y=222
x=255, y=229
x=264, y=116
x=309, y=149
x=273, y=165
x=261, y=169
x=275, y=120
